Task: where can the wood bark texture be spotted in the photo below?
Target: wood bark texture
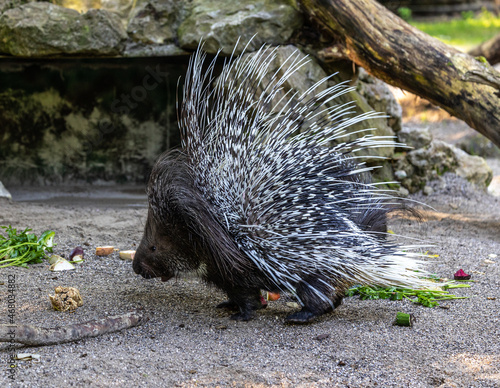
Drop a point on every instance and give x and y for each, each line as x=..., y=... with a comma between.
x=403, y=56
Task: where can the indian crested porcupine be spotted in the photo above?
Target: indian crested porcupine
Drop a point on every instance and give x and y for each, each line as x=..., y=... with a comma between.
x=258, y=199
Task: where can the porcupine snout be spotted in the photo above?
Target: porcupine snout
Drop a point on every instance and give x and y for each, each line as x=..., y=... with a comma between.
x=151, y=259
x=169, y=245
x=148, y=265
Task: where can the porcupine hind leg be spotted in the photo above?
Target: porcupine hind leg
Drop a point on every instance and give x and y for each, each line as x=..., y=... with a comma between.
x=317, y=296
x=247, y=300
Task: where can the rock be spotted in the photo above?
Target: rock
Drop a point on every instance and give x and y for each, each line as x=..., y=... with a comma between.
x=477, y=144
x=155, y=22
x=403, y=192
x=473, y=168
x=380, y=97
x=425, y=164
x=438, y=157
x=8, y=4
x=4, y=193
x=400, y=175
x=43, y=29
x=494, y=186
x=220, y=24
x=427, y=190
x=152, y=27
x=137, y=49
x=415, y=137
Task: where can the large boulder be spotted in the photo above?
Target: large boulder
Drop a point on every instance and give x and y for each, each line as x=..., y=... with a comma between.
x=152, y=29
x=7, y=4
x=473, y=168
x=44, y=29
x=221, y=23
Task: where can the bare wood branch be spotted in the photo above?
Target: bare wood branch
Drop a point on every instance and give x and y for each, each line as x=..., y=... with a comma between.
x=40, y=336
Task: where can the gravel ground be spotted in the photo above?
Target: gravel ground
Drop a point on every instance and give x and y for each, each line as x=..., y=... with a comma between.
x=187, y=342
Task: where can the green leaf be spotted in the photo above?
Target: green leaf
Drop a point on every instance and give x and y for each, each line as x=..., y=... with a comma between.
x=21, y=249
x=47, y=238
x=427, y=298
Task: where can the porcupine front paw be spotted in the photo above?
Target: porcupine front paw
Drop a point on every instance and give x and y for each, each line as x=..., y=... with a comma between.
x=247, y=300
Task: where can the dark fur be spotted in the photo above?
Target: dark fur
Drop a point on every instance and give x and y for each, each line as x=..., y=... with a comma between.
x=182, y=233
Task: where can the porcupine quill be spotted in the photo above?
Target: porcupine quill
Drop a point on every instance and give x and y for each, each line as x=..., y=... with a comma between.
x=257, y=198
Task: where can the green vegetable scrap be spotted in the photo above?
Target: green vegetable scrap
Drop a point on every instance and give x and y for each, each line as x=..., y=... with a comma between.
x=23, y=248
x=427, y=298
x=403, y=319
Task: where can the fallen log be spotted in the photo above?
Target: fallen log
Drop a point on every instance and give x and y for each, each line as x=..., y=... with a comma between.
x=403, y=56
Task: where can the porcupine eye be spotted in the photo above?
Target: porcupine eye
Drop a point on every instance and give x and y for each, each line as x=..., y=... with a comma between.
x=153, y=248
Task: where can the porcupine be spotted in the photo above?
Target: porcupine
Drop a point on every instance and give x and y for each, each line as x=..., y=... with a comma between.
x=258, y=199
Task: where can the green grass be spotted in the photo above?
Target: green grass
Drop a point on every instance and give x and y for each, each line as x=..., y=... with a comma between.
x=464, y=33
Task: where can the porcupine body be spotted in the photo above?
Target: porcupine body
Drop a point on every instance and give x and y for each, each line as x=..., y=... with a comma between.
x=255, y=199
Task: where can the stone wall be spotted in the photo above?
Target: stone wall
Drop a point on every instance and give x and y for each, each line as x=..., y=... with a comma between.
x=86, y=120
x=88, y=88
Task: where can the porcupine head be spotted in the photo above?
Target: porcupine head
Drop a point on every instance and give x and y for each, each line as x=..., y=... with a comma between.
x=257, y=198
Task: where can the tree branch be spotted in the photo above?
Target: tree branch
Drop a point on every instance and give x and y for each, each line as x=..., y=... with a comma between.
x=403, y=56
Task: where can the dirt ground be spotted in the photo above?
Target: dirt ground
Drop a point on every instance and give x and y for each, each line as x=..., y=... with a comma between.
x=187, y=342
